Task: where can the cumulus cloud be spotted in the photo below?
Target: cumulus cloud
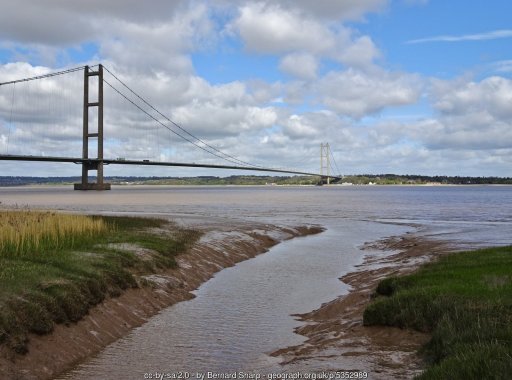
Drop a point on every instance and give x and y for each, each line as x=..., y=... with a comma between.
x=361, y=52
x=470, y=134
x=297, y=126
x=273, y=29
x=158, y=46
x=156, y=37
x=152, y=47
x=303, y=65
x=335, y=9
x=64, y=22
x=44, y=117
x=492, y=95
x=355, y=93
x=214, y=113
x=464, y=133
x=472, y=115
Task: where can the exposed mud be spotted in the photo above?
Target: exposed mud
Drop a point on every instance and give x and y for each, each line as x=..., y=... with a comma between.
x=336, y=333
x=221, y=246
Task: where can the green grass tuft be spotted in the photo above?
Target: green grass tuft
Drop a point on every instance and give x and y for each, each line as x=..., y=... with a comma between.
x=465, y=301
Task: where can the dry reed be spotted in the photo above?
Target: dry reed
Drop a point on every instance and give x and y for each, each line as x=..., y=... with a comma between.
x=32, y=232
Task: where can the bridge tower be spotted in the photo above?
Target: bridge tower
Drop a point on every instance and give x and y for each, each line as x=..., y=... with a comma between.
x=92, y=163
x=325, y=151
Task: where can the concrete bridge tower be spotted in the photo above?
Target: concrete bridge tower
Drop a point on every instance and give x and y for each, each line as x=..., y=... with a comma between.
x=92, y=163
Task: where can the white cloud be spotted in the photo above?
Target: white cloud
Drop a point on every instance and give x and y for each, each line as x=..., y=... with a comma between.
x=297, y=126
x=357, y=94
x=213, y=121
x=502, y=66
x=470, y=135
x=273, y=29
x=336, y=9
x=131, y=33
x=62, y=22
x=492, y=95
x=303, y=66
x=158, y=46
x=495, y=34
x=152, y=49
x=472, y=115
x=360, y=53
x=464, y=133
x=35, y=117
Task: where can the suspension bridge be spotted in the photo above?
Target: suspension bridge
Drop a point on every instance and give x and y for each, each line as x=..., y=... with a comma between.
x=40, y=121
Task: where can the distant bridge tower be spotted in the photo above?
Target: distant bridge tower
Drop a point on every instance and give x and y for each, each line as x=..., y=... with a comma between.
x=92, y=163
x=325, y=152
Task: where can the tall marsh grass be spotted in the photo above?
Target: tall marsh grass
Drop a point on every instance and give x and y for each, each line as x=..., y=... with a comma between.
x=54, y=267
x=33, y=232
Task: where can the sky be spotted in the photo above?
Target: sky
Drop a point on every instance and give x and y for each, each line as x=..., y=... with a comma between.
x=394, y=86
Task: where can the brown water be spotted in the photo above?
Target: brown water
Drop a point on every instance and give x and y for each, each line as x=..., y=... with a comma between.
x=245, y=312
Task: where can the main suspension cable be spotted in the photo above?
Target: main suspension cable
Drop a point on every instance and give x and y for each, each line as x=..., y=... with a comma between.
x=44, y=75
x=165, y=126
x=229, y=157
x=335, y=164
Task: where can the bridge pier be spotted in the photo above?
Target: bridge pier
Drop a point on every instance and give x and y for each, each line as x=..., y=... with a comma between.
x=92, y=163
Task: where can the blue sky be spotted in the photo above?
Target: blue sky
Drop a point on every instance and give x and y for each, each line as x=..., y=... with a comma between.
x=404, y=86
x=394, y=29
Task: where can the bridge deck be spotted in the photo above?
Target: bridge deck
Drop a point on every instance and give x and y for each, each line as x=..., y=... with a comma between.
x=75, y=160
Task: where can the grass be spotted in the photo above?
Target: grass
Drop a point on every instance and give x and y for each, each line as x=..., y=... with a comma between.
x=24, y=233
x=55, y=267
x=464, y=300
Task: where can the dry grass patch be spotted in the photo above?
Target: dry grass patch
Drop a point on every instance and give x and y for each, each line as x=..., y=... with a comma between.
x=35, y=232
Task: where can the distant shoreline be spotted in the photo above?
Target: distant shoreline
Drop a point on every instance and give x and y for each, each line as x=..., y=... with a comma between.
x=254, y=180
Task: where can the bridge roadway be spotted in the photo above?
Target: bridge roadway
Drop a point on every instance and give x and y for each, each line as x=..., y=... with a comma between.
x=12, y=157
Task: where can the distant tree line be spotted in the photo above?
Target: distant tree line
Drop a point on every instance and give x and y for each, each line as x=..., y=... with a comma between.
x=380, y=179
x=394, y=179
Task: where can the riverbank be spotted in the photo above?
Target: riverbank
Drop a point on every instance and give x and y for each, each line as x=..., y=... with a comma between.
x=221, y=245
x=463, y=300
x=55, y=266
x=336, y=330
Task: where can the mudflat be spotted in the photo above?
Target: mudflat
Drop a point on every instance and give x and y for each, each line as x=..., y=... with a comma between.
x=336, y=328
x=221, y=245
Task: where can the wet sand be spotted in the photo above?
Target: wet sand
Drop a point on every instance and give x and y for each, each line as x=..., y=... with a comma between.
x=221, y=246
x=336, y=328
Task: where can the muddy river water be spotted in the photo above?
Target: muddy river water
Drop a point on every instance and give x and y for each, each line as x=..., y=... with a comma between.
x=246, y=312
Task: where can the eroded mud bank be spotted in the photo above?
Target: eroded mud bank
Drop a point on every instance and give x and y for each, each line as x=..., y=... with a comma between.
x=221, y=246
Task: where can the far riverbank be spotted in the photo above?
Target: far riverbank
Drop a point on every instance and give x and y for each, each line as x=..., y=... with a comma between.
x=258, y=180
